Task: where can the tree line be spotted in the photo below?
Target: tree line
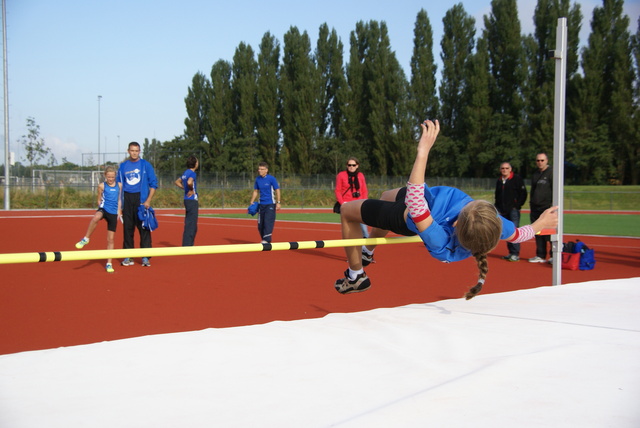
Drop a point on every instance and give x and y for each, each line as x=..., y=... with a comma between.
x=304, y=109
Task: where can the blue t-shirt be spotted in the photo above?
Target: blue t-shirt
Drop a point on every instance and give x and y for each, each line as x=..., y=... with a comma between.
x=185, y=183
x=132, y=173
x=137, y=177
x=445, y=204
x=267, y=186
x=109, y=199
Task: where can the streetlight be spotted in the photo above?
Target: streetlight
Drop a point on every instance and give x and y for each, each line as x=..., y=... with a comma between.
x=99, y=98
x=7, y=173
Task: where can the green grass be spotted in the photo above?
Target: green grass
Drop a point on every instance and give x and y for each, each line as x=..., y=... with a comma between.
x=602, y=224
x=574, y=224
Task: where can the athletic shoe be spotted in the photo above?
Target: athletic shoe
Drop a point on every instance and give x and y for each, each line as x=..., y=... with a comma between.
x=145, y=262
x=82, y=243
x=367, y=259
x=127, y=262
x=109, y=268
x=537, y=259
x=512, y=258
x=550, y=261
x=346, y=285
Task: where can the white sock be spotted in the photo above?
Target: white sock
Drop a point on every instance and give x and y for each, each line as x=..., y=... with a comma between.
x=353, y=274
x=367, y=251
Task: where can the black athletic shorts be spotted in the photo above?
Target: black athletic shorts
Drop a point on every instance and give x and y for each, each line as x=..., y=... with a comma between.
x=111, y=219
x=386, y=215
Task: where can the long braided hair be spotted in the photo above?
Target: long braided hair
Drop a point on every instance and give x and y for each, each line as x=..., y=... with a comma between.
x=478, y=230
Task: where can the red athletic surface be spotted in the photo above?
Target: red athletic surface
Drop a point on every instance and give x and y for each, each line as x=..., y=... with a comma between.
x=47, y=305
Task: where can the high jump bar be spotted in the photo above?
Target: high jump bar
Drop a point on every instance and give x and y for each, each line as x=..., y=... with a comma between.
x=59, y=256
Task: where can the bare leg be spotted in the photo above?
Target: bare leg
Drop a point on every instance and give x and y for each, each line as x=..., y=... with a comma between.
x=350, y=218
x=93, y=223
x=110, y=241
x=355, y=280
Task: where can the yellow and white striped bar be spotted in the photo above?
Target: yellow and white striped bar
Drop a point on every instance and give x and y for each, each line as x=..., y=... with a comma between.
x=66, y=256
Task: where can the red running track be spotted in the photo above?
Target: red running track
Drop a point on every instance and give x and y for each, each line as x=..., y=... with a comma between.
x=47, y=305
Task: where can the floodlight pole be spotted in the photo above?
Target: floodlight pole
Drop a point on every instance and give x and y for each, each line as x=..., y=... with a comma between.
x=560, y=55
x=7, y=174
x=99, y=98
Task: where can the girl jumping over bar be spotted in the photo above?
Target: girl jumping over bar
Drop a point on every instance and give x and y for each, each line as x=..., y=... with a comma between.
x=451, y=224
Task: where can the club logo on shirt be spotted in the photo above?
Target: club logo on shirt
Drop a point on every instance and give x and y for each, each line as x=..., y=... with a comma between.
x=132, y=177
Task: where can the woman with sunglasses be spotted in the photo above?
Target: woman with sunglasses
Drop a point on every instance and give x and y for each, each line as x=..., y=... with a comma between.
x=350, y=186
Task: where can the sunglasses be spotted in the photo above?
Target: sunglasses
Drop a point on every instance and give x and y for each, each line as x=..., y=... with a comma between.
x=351, y=164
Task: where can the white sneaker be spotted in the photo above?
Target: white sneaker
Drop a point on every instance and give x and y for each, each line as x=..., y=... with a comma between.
x=537, y=259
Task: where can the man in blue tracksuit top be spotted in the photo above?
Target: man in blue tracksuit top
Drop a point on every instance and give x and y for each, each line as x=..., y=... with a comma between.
x=139, y=184
x=266, y=186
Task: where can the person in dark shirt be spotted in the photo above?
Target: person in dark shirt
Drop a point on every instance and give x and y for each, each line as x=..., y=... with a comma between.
x=511, y=194
x=541, y=199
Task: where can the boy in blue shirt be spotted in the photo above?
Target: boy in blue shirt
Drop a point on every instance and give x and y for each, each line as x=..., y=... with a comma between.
x=267, y=190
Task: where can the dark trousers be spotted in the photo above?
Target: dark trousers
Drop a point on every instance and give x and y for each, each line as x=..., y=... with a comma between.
x=541, y=240
x=190, y=222
x=131, y=222
x=514, y=216
x=266, y=221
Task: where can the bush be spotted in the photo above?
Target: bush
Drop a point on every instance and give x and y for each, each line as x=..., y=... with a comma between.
x=605, y=198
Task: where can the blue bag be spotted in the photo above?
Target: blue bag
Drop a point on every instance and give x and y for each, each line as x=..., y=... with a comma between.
x=587, y=258
x=148, y=218
x=253, y=209
x=587, y=255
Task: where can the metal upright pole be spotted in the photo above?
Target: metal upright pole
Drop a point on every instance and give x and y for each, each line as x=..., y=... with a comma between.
x=560, y=55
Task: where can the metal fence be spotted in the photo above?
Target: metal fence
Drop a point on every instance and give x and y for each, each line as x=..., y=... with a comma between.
x=70, y=189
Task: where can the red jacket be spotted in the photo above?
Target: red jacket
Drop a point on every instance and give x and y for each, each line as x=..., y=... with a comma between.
x=344, y=193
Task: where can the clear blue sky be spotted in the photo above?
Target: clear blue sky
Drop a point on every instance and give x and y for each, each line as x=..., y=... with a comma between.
x=140, y=56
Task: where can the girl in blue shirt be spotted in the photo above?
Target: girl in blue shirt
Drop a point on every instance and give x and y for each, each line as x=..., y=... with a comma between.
x=109, y=208
x=187, y=182
x=450, y=223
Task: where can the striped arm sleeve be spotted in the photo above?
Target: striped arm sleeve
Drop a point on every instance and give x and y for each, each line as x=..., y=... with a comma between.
x=522, y=234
